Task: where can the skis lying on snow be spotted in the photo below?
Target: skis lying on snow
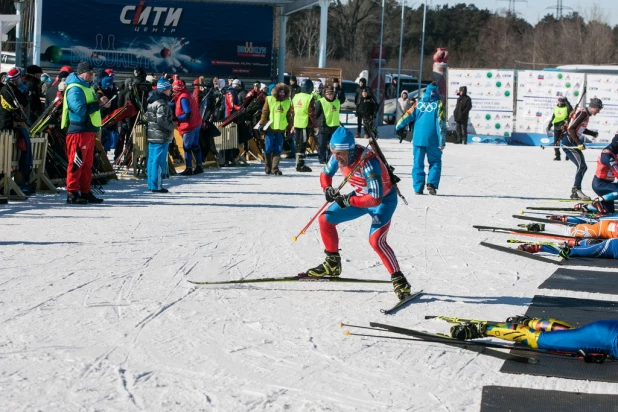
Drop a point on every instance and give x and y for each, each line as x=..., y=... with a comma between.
x=401, y=303
x=522, y=232
x=554, y=209
x=587, y=357
x=461, y=321
x=542, y=220
x=486, y=348
x=521, y=253
x=298, y=278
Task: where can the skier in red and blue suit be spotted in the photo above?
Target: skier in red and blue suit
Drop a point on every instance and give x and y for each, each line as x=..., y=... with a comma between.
x=373, y=195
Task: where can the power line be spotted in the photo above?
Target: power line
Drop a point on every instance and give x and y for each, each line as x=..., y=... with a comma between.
x=512, y=4
x=559, y=9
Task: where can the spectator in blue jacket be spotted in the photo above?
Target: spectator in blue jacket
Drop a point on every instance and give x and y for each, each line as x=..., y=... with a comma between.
x=429, y=119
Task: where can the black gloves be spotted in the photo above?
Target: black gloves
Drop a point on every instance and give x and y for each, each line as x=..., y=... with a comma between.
x=343, y=201
x=330, y=194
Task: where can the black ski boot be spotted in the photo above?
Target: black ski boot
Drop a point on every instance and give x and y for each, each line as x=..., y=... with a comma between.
x=73, y=198
x=198, y=169
x=420, y=192
x=577, y=194
x=431, y=189
x=187, y=172
x=468, y=331
x=90, y=198
x=331, y=266
x=535, y=227
x=300, y=163
x=401, y=286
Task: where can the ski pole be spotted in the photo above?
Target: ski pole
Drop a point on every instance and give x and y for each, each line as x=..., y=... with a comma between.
x=354, y=169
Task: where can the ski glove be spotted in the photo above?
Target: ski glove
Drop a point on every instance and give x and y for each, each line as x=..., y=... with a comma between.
x=330, y=193
x=343, y=201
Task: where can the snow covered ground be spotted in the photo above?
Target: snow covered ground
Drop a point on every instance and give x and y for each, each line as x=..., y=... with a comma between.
x=97, y=313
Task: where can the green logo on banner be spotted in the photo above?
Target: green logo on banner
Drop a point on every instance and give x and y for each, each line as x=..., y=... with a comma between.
x=568, y=85
x=489, y=75
x=498, y=84
x=487, y=117
x=560, y=76
x=498, y=126
x=507, y=93
x=507, y=134
x=576, y=93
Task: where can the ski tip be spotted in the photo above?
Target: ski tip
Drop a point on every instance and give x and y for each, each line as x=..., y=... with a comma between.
x=294, y=238
x=521, y=212
x=347, y=333
x=341, y=324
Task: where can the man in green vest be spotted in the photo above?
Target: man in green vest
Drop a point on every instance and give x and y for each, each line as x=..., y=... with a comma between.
x=558, y=119
x=327, y=113
x=303, y=106
x=276, y=119
x=81, y=114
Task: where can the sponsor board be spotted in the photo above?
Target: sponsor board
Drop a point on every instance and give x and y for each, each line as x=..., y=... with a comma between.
x=491, y=92
x=173, y=36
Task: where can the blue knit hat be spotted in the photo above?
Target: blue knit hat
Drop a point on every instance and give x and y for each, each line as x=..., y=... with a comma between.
x=107, y=82
x=163, y=84
x=342, y=139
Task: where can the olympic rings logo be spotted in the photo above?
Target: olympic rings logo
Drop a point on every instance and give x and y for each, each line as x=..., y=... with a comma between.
x=426, y=107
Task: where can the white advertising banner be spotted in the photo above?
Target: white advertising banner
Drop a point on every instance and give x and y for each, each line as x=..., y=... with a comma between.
x=538, y=93
x=491, y=92
x=604, y=87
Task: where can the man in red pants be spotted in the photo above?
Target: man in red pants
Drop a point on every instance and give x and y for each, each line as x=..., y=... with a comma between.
x=81, y=113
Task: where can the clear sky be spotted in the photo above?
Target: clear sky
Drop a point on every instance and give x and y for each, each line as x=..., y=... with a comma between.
x=534, y=10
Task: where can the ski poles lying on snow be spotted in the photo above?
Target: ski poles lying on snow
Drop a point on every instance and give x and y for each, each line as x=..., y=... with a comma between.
x=319, y=212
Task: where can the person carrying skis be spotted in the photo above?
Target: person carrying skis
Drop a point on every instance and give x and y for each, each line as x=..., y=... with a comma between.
x=429, y=118
x=595, y=341
x=604, y=181
x=373, y=195
x=303, y=110
x=572, y=145
x=589, y=248
x=13, y=116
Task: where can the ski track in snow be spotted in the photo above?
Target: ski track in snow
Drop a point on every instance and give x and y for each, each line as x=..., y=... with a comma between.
x=97, y=313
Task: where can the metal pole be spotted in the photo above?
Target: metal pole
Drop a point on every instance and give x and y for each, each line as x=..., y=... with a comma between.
x=38, y=18
x=420, y=72
x=18, y=33
x=282, y=24
x=379, y=119
x=323, y=31
x=403, y=5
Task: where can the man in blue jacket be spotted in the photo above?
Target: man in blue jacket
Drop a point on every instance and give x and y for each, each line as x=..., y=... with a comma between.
x=429, y=119
x=81, y=114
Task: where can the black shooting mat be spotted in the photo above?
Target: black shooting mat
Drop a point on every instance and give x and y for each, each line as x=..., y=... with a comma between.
x=591, y=262
x=503, y=398
x=583, y=281
x=577, y=312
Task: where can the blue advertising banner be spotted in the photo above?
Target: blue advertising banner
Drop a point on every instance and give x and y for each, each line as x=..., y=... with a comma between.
x=159, y=35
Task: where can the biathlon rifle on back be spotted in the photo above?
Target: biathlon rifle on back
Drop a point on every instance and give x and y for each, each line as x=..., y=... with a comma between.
x=373, y=134
x=565, y=126
x=18, y=105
